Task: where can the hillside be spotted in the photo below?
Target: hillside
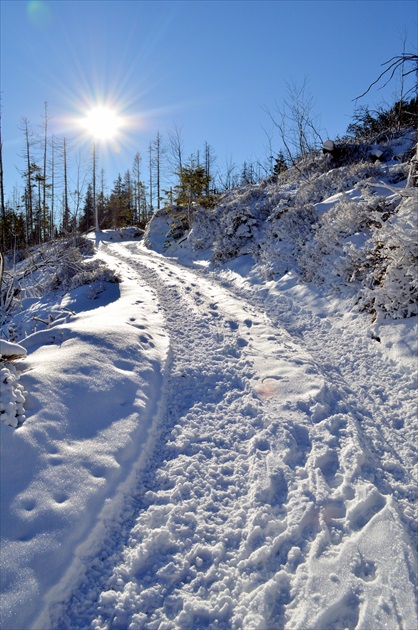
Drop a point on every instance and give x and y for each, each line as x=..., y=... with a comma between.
x=215, y=425
x=346, y=225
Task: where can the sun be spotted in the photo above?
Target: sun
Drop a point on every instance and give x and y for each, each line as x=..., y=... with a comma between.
x=102, y=123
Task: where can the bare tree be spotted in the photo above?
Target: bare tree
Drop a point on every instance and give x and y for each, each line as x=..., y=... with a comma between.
x=78, y=192
x=156, y=158
x=229, y=178
x=150, y=171
x=3, y=209
x=44, y=173
x=66, y=223
x=136, y=176
x=399, y=62
x=269, y=150
x=139, y=192
x=28, y=177
x=210, y=160
x=298, y=126
x=175, y=150
x=95, y=209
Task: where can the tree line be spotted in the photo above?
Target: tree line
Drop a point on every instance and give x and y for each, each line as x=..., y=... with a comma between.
x=49, y=203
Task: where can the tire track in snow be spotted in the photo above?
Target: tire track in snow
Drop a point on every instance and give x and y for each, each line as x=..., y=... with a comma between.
x=188, y=514
x=256, y=496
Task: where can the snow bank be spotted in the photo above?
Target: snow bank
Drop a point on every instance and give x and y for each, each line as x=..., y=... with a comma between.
x=9, y=350
x=93, y=385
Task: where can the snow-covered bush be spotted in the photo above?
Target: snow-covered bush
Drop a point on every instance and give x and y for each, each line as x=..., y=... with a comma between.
x=389, y=269
x=74, y=271
x=59, y=265
x=330, y=253
x=398, y=173
x=239, y=217
x=235, y=235
x=337, y=180
x=289, y=230
x=294, y=222
x=205, y=228
x=180, y=223
x=12, y=394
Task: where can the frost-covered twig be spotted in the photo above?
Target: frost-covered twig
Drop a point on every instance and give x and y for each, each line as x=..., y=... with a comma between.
x=402, y=192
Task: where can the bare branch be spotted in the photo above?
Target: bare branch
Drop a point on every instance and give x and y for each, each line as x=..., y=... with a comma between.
x=394, y=64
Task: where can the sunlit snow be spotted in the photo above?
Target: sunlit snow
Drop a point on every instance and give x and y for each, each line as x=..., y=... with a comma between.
x=210, y=446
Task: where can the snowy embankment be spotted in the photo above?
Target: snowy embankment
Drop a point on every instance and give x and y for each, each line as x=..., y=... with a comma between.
x=92, y=390
x=277, y=491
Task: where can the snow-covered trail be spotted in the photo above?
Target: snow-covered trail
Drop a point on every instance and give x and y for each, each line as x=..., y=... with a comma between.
x=379, y=392
x=279, y=492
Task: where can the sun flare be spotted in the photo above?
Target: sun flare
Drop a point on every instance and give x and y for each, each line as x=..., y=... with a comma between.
x=102, y=123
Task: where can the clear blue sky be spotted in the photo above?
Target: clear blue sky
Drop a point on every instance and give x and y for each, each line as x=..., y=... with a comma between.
x=208, y=67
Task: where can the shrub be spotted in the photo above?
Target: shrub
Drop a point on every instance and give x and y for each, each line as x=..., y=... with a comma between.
x=389, y=269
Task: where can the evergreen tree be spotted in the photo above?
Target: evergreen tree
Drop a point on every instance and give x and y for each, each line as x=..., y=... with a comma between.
x=128, y=193
x=87, y=216
x=248, y=174
x=13, y=229
x=386, y=121
x=280, y=165
x=120, y=202
x=193, y=186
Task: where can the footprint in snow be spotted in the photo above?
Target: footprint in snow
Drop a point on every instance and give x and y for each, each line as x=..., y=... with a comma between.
x=364, y=511
x=365, y=569
x=329, y=464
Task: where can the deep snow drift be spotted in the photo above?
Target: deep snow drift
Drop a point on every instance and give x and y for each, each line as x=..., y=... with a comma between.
x=215, y=445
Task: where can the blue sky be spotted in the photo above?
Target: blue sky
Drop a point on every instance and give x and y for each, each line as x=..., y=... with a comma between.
x=209, y=68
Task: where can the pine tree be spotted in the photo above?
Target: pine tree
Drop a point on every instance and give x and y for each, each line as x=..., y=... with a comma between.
x=193, y=186
x=87, y=217
x=128, y=193
x=280, y=165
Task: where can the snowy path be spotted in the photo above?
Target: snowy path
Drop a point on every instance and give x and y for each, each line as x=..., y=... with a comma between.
x=279, y=492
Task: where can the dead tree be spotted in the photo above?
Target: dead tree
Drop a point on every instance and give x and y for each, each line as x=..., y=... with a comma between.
x=297, y=125
x=394, y=64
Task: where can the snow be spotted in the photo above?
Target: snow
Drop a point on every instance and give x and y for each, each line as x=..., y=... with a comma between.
x=8, y=349
x=208, y=445
x=91, y=403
